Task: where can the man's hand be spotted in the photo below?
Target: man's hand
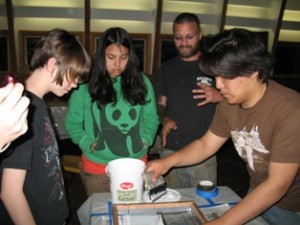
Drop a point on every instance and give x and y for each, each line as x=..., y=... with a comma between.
x=13, y=111
x=168, y=126
x=208, y=93
x=158, y=167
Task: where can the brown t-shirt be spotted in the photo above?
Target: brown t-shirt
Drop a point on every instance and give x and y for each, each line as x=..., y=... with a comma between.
x=267, y=132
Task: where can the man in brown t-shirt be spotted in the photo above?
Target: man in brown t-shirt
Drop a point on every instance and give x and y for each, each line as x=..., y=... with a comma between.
x=263, y=119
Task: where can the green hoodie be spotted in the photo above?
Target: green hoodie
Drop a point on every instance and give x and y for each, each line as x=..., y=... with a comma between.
x=119, y=130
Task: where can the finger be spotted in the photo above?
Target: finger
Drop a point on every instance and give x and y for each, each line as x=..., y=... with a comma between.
x=24, y=122
x=163, y=141
x=18, y=87
x=5, y=91
x=198, y=91
x=201, y=85
x=203, y=96
x=21, y=106
x=150, y=169
x=203, y=103
x=17, y=118
x=20, y=125
x=156, y=172
x=164, y=137
x=13, y=98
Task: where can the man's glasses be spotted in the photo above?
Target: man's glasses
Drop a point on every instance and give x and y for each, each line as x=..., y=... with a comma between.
x=186, y=37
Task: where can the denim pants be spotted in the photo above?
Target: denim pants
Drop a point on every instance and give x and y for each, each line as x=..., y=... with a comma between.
x=189, y=177
x=278, y=216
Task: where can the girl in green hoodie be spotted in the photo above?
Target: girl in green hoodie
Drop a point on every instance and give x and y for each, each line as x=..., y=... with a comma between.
x=114, y=115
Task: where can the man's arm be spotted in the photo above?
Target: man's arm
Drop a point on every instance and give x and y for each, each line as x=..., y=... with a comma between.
x=281, y=176
x=13, y=196
x=161, y=108
x=193, y=153
x=168, y=123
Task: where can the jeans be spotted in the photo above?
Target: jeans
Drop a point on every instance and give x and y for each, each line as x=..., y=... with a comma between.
x=278, y=216
x=189, y=177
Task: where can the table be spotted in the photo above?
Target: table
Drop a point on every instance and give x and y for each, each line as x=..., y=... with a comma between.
x=95, y=209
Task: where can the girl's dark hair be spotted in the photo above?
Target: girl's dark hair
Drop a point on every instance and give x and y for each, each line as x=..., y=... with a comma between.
x=72, y=59
x=101, y=88
x=236, y=52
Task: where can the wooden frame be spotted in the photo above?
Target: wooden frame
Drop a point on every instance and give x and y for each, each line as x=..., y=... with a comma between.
x=94, y=38
x=28, y=40
x=166, y=47
x=182, y=210
x=4, y=53
x=141, y=42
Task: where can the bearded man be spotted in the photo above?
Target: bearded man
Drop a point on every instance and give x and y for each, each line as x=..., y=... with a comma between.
x=186, y=99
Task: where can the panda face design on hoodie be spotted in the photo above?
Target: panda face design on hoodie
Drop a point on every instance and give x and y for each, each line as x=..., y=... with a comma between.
x=124, y=120
x=120, y=129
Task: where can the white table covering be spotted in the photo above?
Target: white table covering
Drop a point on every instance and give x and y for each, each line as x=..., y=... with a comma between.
x=95, y=209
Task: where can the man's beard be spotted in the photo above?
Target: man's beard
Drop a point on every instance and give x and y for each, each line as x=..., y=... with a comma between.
x=188, y=54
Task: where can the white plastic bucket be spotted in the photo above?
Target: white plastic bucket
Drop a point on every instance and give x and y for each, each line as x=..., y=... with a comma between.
x=126, y=180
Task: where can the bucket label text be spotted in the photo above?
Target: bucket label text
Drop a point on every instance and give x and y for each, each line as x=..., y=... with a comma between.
x=127, y=196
